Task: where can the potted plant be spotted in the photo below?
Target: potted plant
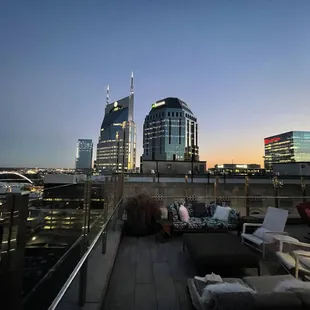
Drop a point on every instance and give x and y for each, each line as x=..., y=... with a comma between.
x=142, y=212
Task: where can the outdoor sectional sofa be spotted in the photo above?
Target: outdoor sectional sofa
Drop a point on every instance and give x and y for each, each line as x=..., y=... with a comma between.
x=265, y=297
x=201, y=218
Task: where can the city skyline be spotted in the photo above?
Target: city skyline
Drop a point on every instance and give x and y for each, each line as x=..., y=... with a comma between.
x=242, y=67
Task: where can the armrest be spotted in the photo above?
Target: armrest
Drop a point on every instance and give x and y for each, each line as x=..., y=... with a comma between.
x=245, y=225
x=301, y=253
x=303, y=244
x=297, y=254
x=284, y=233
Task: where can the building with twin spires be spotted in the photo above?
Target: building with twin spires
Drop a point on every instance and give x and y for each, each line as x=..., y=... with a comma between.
x=116, y=148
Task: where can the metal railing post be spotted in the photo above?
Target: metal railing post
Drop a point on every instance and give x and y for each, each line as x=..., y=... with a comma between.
x=303, y=190
x=276, y=191
x=104, y=232
x=215, y=187
x=84, y=244
x=11, y=272
x=246, y=189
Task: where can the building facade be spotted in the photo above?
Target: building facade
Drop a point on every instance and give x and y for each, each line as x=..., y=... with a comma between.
x=170, y=132
x=292, y=169
x=289, y=147
x=84, y=154
x=166, y=167
x=116, y=148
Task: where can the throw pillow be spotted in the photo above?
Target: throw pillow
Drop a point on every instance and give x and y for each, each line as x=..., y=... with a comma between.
x=224, y=288
x=199, y=209
x=221, y=214
x=261, y=234
x=183, y=214
x=292, y=285
x=164, y=213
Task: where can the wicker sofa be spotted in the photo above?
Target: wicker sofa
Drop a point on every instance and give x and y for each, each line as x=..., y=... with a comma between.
x=201, y=218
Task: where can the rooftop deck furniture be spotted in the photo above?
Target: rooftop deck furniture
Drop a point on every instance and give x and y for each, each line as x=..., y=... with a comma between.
x=304, y=212
x=201, y=219
x=297, y=260
x=264, y=298
x=273, y=224
x=219, y=252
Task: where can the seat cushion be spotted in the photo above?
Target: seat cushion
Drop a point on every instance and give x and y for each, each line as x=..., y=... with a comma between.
x=266, y=284
x=194, y=223
x=288, y=261
x=252, y=238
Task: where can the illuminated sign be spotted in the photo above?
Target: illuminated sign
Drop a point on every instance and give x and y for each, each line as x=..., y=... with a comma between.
x=158, y=104
x=220, y=166
x=272, y=140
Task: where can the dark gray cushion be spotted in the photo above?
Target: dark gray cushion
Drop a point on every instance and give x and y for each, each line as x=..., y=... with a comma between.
x=266, y=284
x=304, y=297
x=233, y=300
x=277, y=301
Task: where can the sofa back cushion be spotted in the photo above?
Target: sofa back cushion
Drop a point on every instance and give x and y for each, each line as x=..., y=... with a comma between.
x=234, y=217
x=174, y=212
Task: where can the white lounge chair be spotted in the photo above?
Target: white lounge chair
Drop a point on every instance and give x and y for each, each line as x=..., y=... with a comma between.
x=297, y=259
x=273, y=224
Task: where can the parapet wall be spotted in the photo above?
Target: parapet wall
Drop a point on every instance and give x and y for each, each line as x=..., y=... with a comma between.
x=252, y=198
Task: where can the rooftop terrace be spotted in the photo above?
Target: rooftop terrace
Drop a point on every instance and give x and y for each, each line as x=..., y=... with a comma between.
x=151, y=275
x=100, y=268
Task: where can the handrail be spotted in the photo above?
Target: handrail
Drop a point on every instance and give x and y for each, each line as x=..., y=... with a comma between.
x=60, y=261
x=76, y=270
x=233, y=197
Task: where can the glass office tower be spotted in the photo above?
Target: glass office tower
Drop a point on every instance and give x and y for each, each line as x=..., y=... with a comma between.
x=84, y=154
x=293, y=146
x=170, y=132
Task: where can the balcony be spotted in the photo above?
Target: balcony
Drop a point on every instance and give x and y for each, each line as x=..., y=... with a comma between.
x=95, y=266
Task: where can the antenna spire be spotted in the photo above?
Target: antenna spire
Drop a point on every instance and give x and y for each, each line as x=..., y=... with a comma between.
x=108, y=95
x=131, y=84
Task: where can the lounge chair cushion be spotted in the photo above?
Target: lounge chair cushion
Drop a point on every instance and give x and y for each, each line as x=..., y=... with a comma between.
x=289, y=262
x=266, y=284
x=261, y=234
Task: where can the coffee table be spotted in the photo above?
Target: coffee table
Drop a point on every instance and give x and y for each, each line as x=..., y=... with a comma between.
x=219, y=252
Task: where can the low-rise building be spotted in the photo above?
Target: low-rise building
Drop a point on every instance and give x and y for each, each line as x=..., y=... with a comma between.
x=172, y=167
x=237, y=169
x=292, y=169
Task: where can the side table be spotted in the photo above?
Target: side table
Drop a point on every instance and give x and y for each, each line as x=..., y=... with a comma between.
x=166, y=228
x=280, y=238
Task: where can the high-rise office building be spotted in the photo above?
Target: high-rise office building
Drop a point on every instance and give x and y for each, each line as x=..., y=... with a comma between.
x=116, y=149
x=292, y=146
x=170, y=132
x=84, y=154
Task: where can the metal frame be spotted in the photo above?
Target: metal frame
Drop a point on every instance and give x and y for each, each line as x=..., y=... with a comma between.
x=80, y=264
x=257, y=247
x=296, y=256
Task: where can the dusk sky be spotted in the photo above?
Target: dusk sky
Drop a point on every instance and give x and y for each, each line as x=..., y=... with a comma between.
x=243, y=67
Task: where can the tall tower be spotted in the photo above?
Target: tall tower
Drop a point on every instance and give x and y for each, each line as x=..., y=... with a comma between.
x=116, y=148
x=131, y=99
